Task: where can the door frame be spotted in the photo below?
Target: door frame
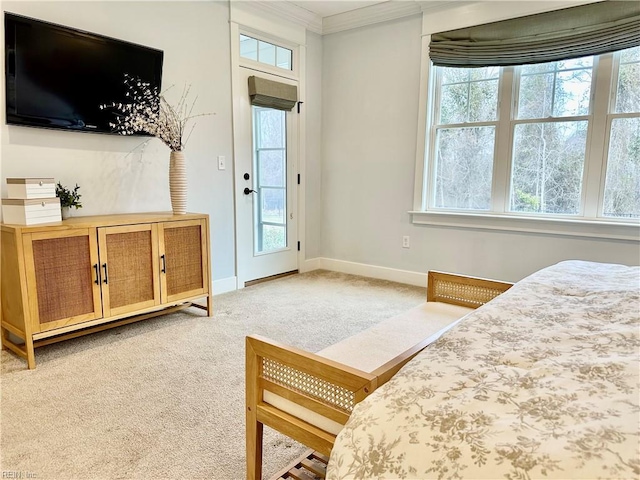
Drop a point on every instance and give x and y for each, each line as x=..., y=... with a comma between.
x=238, y=89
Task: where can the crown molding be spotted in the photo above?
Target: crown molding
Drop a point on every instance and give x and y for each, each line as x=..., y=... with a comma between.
x=381, y=12
x=288, y=11
x=429, y=6
x=370, y=15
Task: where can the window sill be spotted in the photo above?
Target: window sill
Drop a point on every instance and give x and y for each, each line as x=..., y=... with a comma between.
x=547, y=226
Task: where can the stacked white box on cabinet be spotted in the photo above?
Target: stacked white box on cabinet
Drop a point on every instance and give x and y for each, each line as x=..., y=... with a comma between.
x=31, y=201
x=29, y=188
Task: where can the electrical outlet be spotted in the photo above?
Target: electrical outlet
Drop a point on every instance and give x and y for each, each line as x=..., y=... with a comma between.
x=221, y=162
x=406, y=243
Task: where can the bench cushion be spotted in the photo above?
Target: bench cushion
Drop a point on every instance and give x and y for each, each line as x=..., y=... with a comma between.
x=372, y=348
x=384, y=341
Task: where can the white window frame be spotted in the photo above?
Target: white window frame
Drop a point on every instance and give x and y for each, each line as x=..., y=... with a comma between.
x=431, y=157
x=597, y=89
x=610, y=116
x=293, y=74
x=589, y=222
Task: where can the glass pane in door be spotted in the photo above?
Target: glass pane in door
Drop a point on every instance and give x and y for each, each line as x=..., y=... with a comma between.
x=270, y=170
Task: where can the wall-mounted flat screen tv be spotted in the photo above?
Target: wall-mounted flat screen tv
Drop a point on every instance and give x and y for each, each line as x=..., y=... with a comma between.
x=57, y=77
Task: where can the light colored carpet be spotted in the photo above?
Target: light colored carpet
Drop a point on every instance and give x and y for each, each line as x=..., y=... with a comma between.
x=164, y=398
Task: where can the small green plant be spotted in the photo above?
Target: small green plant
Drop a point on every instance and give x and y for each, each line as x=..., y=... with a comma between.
x=68, y=198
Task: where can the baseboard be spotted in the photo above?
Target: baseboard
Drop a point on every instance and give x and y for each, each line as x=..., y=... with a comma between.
x=310, y=265
x=384, y=273
x=224, y=285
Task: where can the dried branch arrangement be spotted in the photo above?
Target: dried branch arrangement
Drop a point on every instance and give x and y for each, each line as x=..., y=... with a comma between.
x=150, y=112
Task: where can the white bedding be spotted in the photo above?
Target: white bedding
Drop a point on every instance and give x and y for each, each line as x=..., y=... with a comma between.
x=542, y=382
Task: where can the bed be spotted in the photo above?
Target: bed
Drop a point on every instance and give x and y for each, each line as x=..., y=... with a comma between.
x=541, y=382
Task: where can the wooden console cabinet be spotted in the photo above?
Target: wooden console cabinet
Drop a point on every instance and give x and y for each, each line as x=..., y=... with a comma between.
x=85, y=274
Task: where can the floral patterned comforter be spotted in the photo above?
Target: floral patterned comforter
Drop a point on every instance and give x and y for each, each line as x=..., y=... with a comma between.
x=542, y=382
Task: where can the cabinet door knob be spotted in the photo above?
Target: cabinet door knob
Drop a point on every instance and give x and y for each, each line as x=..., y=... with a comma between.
x=164, y=263
x=106, y=278
x=96, y=268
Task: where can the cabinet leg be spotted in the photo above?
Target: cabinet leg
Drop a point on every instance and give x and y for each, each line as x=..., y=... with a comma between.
x=25, y=350
x=5, y=338
x=31, y=356
x=210, y=306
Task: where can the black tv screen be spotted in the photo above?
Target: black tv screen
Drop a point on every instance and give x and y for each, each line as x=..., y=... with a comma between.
x=57, y=77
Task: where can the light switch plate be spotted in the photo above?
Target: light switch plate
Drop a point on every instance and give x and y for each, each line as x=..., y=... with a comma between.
x=221, y=162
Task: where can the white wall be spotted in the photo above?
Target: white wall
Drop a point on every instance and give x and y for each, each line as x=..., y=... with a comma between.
x=371, y=79
x=115, y=177
x=313, y=157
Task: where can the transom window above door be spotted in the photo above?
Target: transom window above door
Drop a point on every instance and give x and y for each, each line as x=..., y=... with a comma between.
x=265, y=52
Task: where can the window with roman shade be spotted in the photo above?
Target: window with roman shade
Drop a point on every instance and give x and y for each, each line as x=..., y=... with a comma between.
x=536, y=118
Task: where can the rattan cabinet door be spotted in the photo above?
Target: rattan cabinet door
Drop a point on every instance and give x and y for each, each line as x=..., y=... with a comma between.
x=62, y=278
x=129, y=268
x=184, y=269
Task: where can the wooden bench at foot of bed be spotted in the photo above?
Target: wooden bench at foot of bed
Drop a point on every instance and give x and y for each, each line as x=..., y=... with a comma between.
x=309, y=397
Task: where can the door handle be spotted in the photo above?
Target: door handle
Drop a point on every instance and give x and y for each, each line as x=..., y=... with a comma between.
x=164, y=264
x=97, y=269
x=248, y=191
x=106, y=278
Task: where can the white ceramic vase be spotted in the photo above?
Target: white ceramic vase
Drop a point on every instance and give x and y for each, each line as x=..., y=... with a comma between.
x=66, y=212
x=178, y=183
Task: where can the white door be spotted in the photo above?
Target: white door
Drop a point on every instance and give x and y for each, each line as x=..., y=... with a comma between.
x=265, y=180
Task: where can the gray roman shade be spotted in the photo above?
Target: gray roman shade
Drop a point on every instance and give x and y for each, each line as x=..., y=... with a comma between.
x=559, y=35
x=267, y=93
